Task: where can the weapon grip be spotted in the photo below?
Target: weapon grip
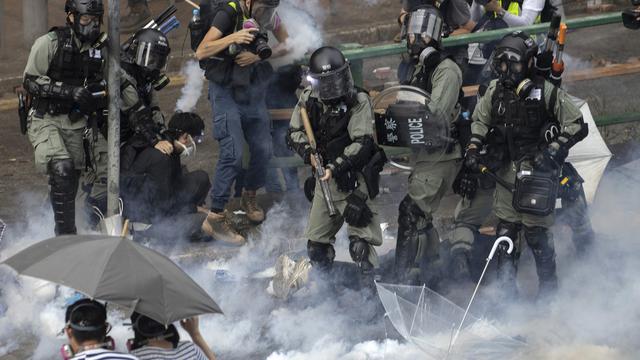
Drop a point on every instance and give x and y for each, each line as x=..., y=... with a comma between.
x=307, y=127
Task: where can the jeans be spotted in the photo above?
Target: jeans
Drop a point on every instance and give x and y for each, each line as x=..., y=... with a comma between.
x=235, y=124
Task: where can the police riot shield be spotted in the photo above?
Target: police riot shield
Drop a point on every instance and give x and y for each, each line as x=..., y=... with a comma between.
x=403, y=119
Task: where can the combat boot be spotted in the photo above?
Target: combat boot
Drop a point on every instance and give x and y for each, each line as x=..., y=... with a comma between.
x=459, y=266
x=219, y=227
x=137, y=17
x=249, y=205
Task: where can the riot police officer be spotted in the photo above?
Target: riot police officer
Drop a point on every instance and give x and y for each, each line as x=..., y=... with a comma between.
x=143, y=60
x=524, y=109
x=61, y=64
x=436, y=166
x=340, y=118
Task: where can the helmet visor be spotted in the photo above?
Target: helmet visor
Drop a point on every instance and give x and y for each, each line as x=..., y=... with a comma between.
x=425, y=23
x=332, y=85
x=152, y=56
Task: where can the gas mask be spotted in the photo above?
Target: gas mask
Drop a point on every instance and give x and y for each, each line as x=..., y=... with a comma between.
x=187, y=150
x=266, y=16
x=510, y=68
x=88, y=32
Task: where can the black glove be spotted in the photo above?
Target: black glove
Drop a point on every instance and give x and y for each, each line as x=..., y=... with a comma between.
x=82, y=97
x=552, y=157
x=472, y=159
x=357, y=213
x=465, y=184
x=544, y=60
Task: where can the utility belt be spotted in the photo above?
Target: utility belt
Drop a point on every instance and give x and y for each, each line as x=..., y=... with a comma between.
x=51, y=106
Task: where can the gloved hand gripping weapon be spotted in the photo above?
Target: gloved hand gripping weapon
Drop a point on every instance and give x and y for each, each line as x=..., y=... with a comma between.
x=319, y=167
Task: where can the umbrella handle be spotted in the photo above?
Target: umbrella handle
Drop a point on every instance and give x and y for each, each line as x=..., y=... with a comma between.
x=497, y=242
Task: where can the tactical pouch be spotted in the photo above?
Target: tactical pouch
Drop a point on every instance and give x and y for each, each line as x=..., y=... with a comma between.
x=535, y=192
x=371, y=172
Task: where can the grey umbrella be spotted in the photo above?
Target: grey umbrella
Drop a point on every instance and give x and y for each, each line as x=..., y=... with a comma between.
x=118, y=271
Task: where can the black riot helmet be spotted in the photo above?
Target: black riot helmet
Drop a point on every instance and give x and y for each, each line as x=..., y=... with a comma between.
x=149, y=49
x=424, y=29
x=513, y=58
x=87, y=18
x=330, y=74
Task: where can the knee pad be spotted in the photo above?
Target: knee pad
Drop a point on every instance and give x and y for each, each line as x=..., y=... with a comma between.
x=358, y=249
x=61, y=168
x=409, y=212
x=464, y=235
x=320, y=254
x=63, y=176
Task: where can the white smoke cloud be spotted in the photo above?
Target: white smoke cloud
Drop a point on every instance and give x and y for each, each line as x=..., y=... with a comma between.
x=192, y=89
x=303, y=21
x=594, y=316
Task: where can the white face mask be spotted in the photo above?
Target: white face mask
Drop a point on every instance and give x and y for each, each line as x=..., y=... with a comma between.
x=189, y=150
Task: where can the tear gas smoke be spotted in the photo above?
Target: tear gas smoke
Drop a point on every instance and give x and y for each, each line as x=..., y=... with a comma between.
x=593, y=316
x=303, y=21
x=192, y=89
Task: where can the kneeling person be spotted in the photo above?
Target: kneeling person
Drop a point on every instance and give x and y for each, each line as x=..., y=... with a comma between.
x=157, y=189
x=340, y=118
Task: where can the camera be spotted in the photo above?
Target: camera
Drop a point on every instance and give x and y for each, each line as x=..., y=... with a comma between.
x=631, y=17
x=259, y=45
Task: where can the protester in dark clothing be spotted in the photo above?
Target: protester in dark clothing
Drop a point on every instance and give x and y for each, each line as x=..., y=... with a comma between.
x=158, y=190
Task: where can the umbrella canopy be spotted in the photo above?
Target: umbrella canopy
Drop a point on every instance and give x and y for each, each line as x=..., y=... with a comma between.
x=119, y=271
x=429, y=321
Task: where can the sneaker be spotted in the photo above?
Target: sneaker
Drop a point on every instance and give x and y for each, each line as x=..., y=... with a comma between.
x=219, y=227
x=136, y=18
x=250, y=206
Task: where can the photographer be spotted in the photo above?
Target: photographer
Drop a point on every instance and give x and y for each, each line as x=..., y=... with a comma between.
x=232, y=54
x=86, y=328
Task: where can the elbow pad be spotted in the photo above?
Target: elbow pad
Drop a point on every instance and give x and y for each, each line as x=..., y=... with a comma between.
x=303, y=149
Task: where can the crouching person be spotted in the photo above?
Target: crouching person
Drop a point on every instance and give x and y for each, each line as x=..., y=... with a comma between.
x=340, y=129
x=158, y=190
x=87, y=328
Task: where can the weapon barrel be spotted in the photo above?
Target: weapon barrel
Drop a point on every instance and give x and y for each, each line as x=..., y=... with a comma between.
x=485, y=170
